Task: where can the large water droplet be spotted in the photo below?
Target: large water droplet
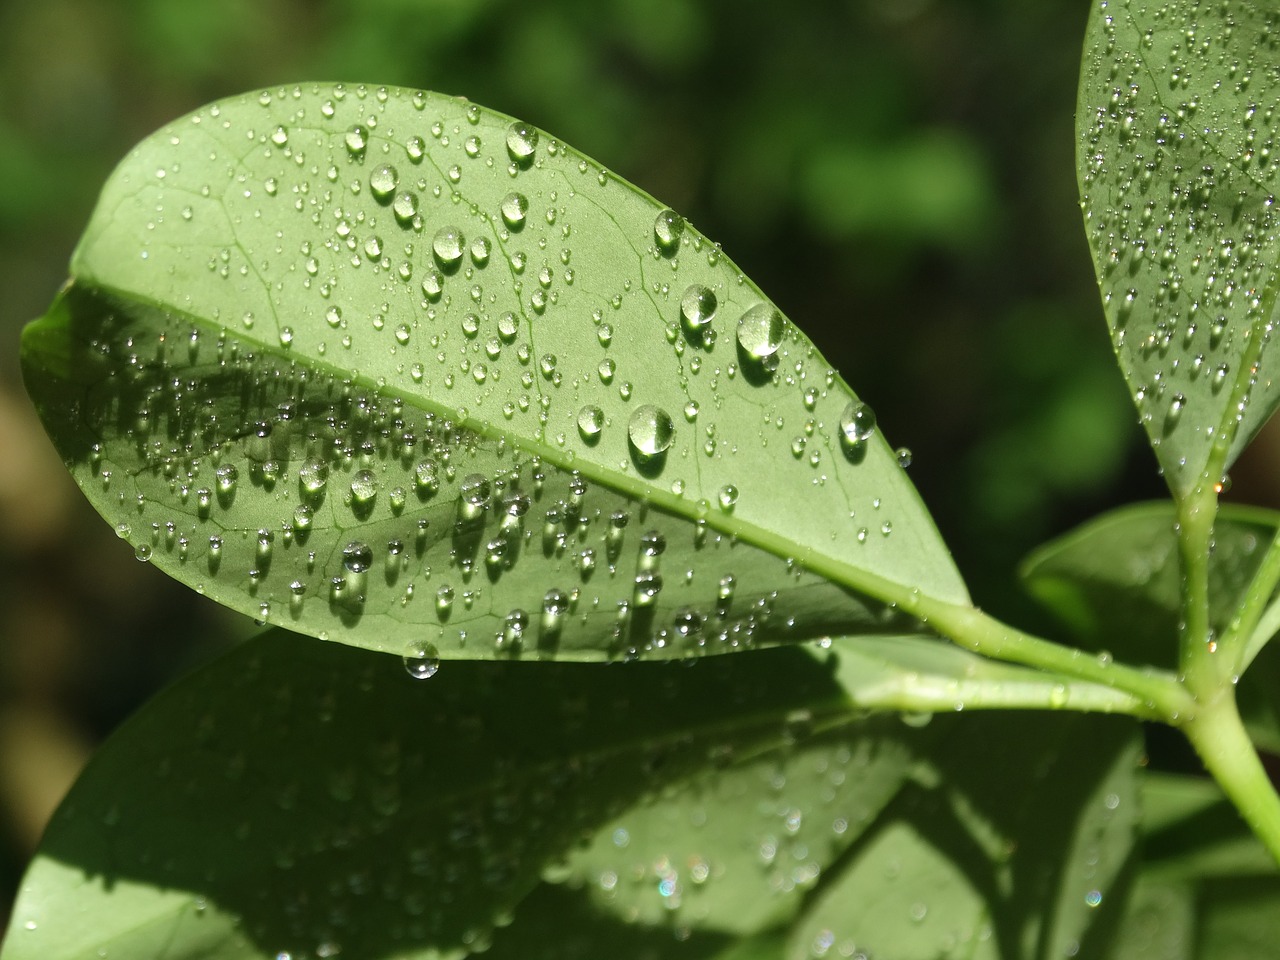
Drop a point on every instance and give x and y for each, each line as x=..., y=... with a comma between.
x=522, y=141
x=357, y=140
x=667, y=231
x=383, y=182
x=447, y=245
x=697, y=309
x=590, y=423
x=650, y=430
x=514, y=209
x=421, y=659
x=857, y=424
x=760, y=331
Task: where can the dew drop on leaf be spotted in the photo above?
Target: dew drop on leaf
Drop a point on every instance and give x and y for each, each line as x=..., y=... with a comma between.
x=857, y=424
x=522, y=141
x=697, y=308
x=760, y=331
x=590, y=422
x=650, y=430
x=421, y=659
x=667, y=231
x=383, y=181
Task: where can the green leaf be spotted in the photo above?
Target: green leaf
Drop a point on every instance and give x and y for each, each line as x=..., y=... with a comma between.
x=1020, y=852
x=301, y=797
x=1178, y=179
x=1115, y=582
x=381, y=365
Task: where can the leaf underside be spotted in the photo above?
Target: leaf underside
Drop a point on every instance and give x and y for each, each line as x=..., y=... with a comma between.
x=387, y=367
x=310, y=799
x=1178, y=177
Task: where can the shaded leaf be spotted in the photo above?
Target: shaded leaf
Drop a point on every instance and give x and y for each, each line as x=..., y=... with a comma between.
x=1017, y=852
x=1115, y=582
x=381, y=365
x=1178, y=180
x=305, y=797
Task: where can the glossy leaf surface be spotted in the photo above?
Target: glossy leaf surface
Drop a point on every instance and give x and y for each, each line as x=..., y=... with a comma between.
x=379, y=365
x=1178, y=176
x=309, y=798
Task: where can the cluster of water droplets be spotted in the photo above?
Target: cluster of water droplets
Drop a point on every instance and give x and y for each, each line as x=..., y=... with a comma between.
x=1178, y=176
x=462, y=488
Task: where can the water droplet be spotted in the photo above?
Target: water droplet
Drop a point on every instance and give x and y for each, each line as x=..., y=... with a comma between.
x=515, y=206
x=405, y=207
x=522, y=141
x=590, y=422
x=697, y=309
x=426, y=478
x=650, y=431
x=444, y=601
x=555, y=606
x=513, y=627
x=474, y=496
x=728, y=497
x=383, y=182
x=904, y=457
x=760, y=331
x=447, y=245
x=421, y=659
x=646, y=587
x=357, y=140
x=364, y=490
x=667, y=231
x=857, y=424
x=357, y=556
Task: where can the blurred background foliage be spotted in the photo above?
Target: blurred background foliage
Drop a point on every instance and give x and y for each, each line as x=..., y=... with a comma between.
x=898, y=175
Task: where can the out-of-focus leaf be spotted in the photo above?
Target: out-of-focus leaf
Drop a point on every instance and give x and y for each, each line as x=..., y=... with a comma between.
x=385, y=366
x=1178, y=178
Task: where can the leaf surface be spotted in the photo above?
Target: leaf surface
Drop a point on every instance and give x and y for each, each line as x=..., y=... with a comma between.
x=308, y=798
x=386, y=366
x=1178, y=177
x=1115, y=582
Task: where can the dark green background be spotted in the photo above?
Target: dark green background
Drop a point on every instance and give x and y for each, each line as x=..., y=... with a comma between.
x=898, y=175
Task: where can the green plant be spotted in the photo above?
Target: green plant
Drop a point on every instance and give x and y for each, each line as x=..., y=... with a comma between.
x=389, y=369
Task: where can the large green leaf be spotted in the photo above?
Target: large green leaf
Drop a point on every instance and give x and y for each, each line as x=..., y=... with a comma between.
x=305, y=798
x=384, y=366
x=1178, y=176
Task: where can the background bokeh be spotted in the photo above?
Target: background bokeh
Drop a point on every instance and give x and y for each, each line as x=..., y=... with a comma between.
x=898, y=175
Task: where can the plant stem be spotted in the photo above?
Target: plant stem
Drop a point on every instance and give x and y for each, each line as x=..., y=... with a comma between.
x=1219, y=736
x=970, y=628
x=1238, y=643
x=1197, y=647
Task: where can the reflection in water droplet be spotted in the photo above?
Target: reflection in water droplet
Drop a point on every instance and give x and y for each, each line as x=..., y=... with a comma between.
x=857, y=424
x=667, y=231
x=697, y=308
x=760, y=331
x=650, y=430
x=357, y=139
x=383, y=181
x=515, y=206
x=522, y=141
x=421, y=659
x=590, y=422
x=447, y=245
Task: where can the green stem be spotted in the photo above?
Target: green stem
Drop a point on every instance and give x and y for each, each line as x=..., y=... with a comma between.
x=1268, y=626
x=1197, y=648
x=1219, y=736
x=1238, y=643
x=970, y=628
